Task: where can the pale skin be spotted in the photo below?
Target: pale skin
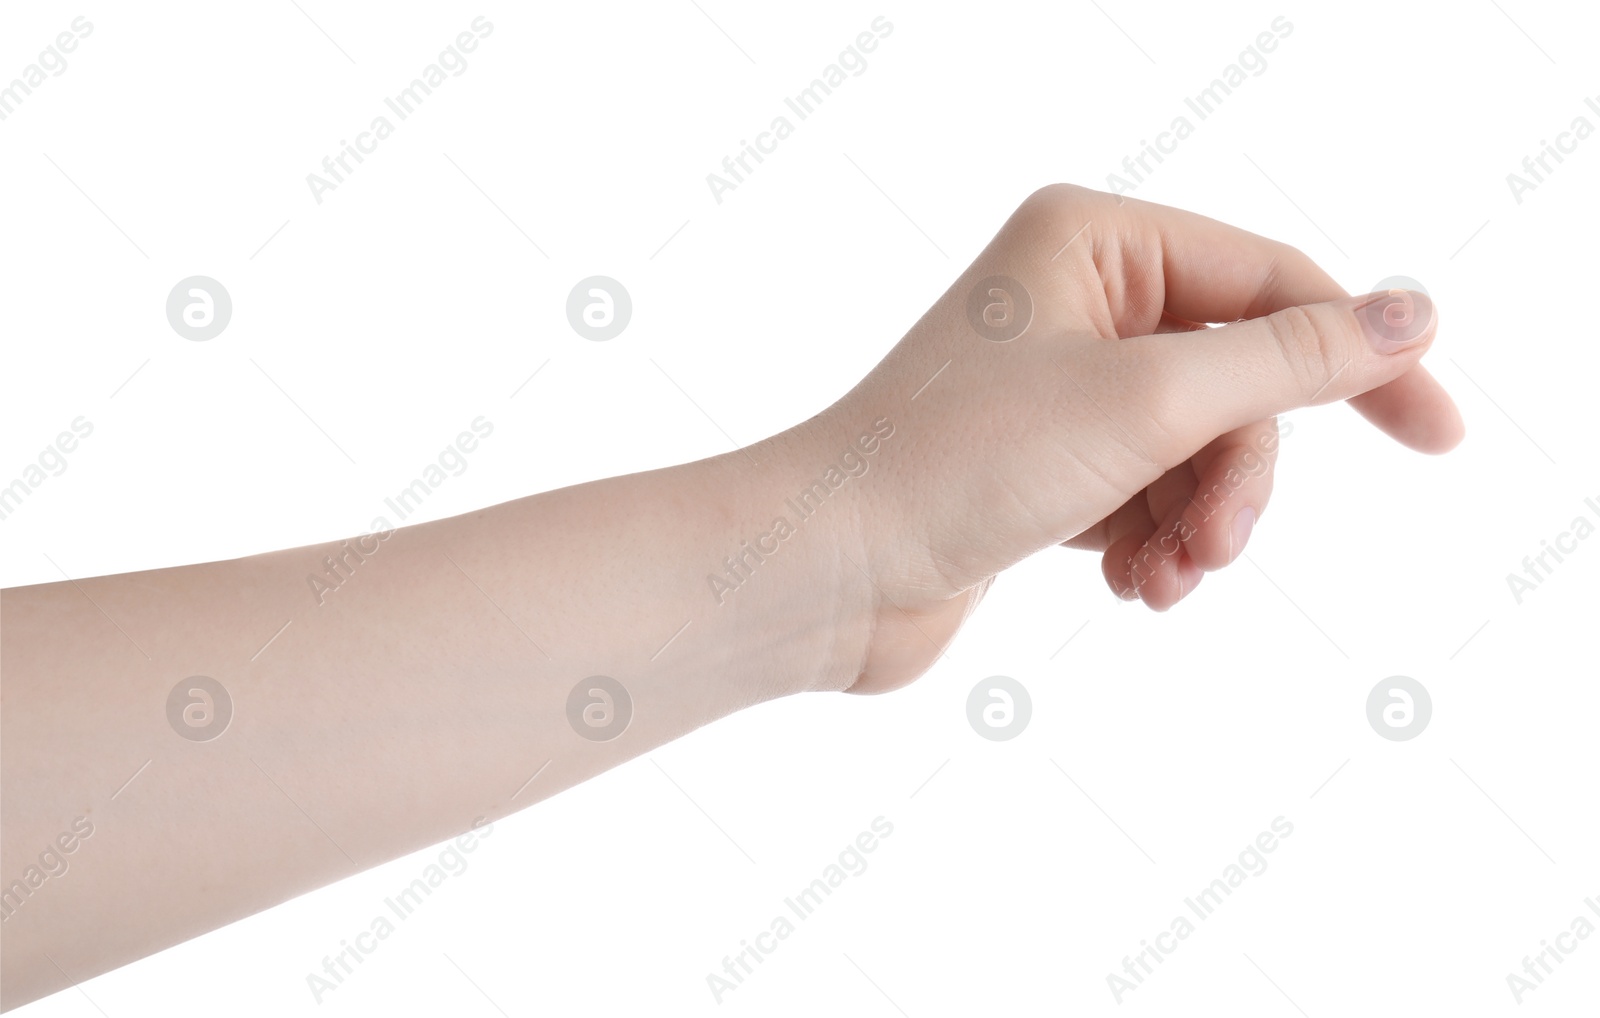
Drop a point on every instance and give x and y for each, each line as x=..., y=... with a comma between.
x=417, y=700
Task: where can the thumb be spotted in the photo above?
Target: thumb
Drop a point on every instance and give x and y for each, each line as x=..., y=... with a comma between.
x=1219, y=379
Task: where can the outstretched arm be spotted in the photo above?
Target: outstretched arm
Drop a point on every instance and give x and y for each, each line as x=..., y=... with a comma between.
x=1063, y=391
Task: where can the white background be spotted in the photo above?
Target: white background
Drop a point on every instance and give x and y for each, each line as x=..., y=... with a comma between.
x=410, y=301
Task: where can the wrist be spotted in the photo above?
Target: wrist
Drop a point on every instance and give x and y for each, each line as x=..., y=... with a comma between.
x=912, y=609
x=842, y=485
x=790, y=574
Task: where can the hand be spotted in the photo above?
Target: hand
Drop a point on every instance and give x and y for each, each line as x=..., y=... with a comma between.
x=1080, y=399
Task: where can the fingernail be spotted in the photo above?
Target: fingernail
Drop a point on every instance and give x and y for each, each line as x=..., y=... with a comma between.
x=1244, y=521
x=1394, y=319
x=1128, y=593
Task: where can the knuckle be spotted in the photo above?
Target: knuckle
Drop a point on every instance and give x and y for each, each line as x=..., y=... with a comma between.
x=1054, y=201
x=1048, y=216
x=1054, y=197
x=1285, y=267
x=1272, y=275
x=1289, y=255
x=1312, y=349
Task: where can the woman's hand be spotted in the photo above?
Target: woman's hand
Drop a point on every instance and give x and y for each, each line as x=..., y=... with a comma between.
x=1065, y=390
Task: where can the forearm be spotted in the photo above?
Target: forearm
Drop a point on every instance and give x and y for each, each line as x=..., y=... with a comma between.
x=411, y=691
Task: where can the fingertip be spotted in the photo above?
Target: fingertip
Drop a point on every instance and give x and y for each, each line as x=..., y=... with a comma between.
x=1189, y=576
x=1176, y=581
x=1116, y=565
x=1445, y=431
x=1244, y=521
